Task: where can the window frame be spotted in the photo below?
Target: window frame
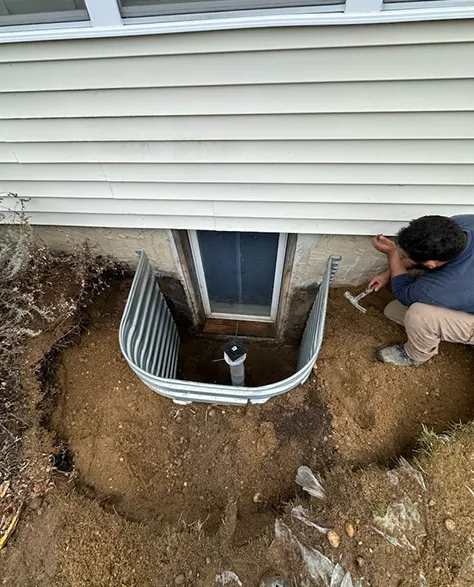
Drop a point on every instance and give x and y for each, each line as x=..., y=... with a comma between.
x=106, y=20
x=277, y=282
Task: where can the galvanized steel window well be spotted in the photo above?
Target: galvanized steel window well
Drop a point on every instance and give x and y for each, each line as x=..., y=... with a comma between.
x=150, y=342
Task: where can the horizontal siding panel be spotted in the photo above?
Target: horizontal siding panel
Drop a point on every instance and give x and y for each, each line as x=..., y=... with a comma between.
x=48, y=172
x=453, y=95
x=104, y=206
x=252, y=173
x=270, y=39
x=239, y=194
x=6, y=154
x=65, y=189
x=281, y=210
x=442, y=125
x=120, y=220
x=354, y=212
x=291, y=173
x=293, y=151
x=300, y=226
x=266, y=67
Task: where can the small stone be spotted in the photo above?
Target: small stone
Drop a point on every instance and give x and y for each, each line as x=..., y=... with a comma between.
x=432, y=503
x=194, y=428
x=272, y=580
x=333, y=538
x=258, y=498
x=179, y=579
x=208, y=560
x=360, y=560
x=226, y=448
x=350, y=530
x=211, y=412
x=450, y=524
x=35, y=503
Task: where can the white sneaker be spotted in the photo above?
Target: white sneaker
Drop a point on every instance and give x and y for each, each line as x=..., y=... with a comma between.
x=396, y=355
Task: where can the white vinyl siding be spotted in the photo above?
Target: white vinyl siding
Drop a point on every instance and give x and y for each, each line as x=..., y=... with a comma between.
x=342, y=130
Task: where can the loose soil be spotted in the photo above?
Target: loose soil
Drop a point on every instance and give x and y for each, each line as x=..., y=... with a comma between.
x=164, y=494
x=378, y=411
x=154, y=461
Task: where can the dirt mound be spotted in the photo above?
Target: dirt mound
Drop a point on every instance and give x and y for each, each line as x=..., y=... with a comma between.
x=379, y=410
x=413, y=525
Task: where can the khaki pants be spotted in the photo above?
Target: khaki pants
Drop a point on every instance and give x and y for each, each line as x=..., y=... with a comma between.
x=427, y=326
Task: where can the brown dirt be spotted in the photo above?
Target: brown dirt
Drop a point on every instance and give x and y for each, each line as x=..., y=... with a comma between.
x=162, y=490
x=158, y=462
x=378, y=411
x=200, y=359
x=443, y=556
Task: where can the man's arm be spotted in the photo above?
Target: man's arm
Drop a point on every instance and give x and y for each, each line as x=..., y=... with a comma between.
x=404, y=287
x=381, y=279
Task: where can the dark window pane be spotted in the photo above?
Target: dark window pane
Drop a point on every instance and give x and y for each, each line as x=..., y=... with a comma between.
x=239, y=270
x=14, y=12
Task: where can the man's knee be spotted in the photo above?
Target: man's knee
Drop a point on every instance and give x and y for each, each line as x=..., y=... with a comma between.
x=395, y=311
x=419, y=316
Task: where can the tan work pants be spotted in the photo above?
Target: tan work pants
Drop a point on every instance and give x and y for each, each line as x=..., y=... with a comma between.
x=427, y=326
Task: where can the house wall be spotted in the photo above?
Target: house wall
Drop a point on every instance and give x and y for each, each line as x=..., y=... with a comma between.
x=313, y=130
x=331, y=133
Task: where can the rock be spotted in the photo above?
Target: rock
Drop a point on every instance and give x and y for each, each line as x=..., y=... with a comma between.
x=35, y=503
x=360, y=560
x=431, y=503
x=450, y=524
x=272, y=580
x=334, y=538
x=258, y=498
x=179, y=579
x=208, y=560
x=350, y=530
x=211, y=412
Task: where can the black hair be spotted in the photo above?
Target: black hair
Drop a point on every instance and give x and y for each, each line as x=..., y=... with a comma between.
x=432, y=238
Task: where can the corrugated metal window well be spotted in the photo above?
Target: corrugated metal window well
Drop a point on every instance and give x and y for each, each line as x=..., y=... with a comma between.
x=216, y=369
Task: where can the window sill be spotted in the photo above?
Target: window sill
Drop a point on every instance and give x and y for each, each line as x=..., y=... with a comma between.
x=227, y=21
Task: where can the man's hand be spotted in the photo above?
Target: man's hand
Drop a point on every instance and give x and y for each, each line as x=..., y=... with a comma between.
x=380, y=280
x=384, y=245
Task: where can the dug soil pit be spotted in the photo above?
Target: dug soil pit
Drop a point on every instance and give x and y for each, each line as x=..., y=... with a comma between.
x=151, y=460
x=205, y=483
x=201, y=359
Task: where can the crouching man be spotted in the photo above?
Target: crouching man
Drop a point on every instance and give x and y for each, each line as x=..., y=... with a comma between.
x=439, y=304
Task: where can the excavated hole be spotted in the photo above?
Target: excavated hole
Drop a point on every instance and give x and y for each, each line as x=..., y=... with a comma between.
x=152, y=461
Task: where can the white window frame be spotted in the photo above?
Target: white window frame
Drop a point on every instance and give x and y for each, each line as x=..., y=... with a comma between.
x=277, y=282
x=106, y=21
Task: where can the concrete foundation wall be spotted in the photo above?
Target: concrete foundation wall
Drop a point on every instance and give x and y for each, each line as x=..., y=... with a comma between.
x=359, y=259
x=359, y=262
x=119, y=243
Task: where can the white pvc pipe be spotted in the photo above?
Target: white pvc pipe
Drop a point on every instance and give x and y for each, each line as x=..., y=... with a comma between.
x=237, y=369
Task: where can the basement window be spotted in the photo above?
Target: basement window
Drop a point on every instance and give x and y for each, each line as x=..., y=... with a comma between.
x=25, y=12
x=137, y=8
x=239, y=273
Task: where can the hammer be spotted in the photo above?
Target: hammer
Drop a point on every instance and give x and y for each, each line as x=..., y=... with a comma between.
x=354, y=300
